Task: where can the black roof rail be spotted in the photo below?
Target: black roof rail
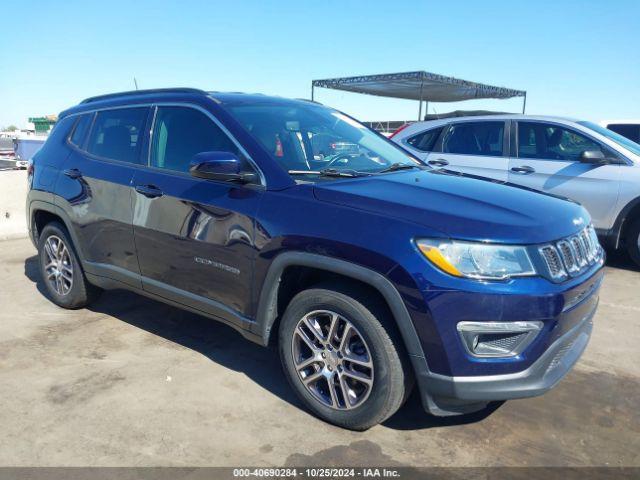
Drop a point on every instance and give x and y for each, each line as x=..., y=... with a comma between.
x=143, y=92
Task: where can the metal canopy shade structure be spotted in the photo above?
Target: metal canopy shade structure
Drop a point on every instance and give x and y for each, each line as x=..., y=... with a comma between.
x=421, y=86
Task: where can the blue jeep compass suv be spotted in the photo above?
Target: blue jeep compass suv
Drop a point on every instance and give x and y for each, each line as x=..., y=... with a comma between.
x=367, y=269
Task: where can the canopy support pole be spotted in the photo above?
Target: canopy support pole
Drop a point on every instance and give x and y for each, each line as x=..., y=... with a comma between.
x=312, y=91
x=524, y=102
x=420, y=104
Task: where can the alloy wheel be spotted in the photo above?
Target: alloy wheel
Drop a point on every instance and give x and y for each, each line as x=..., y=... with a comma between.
x=58, y=268
x=332, y=360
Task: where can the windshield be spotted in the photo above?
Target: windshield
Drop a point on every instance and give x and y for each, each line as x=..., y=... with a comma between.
x=611, y=135
x=311, y=139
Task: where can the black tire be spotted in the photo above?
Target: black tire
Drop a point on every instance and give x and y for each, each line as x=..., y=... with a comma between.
x=392, y=379
x=80, y=292
x=632, y=241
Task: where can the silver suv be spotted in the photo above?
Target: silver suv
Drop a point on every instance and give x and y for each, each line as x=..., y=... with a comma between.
x=580, y=160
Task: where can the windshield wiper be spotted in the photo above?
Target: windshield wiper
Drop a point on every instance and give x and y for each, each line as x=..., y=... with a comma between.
x=328, y=172
x=394, y=167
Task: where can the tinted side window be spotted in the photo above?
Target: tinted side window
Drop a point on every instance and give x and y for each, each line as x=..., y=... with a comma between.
x=475, y=138
x=80, y=130
x=552, y=142
x=425, y=141
x=182, y=132
x=632, y=132
x=116, y=134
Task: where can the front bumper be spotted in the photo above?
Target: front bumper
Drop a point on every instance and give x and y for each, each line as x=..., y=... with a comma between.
x=555, y=354
x=464, y=394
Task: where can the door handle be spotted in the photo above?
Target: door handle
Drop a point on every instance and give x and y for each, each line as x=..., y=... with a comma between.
x=72, y=173
x=149, y=191
x=439, y=162
x=524, y=170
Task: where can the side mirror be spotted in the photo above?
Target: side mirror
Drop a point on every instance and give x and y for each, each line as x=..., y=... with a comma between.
x=592, y=156
x=224, y=166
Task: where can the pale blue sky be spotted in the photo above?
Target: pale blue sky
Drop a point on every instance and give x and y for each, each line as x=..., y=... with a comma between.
x=576, y=58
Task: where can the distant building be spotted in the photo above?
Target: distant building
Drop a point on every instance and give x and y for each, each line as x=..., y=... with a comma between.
x=43, y=125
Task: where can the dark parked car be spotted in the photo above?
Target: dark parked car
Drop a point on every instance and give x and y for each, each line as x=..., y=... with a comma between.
x=368, y=270
x=627, y=128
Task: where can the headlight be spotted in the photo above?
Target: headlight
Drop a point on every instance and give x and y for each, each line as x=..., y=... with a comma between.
x=477, y=260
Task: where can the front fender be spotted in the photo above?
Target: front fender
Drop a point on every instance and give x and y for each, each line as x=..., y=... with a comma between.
x=267, y=305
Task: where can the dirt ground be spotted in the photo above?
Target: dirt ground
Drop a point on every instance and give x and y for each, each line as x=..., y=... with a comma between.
x=132, y=382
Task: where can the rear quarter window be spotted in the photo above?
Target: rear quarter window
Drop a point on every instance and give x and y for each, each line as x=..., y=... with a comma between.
x=425, y=141
x=80, y=129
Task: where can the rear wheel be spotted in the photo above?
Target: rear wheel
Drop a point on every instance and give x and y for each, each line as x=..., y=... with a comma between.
x=341, y=360
x=61, y=271
x=632, y=241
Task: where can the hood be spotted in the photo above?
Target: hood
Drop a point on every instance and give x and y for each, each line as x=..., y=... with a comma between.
x=462, y=207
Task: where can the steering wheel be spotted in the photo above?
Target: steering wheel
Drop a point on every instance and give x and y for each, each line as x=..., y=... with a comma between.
x=340, y=156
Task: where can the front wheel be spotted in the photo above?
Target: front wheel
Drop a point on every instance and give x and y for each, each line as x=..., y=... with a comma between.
x=343, y=358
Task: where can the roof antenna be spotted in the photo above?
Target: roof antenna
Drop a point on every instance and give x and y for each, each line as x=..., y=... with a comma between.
x=135, y=82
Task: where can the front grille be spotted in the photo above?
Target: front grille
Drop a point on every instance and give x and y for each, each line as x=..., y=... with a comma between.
x=568, y=256
x=572, y=255
x=552, y=259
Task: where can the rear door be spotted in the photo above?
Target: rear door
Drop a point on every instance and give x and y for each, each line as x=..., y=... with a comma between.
x=194, y=237
x=95, y=189
x=474, y=147
x=547, y=158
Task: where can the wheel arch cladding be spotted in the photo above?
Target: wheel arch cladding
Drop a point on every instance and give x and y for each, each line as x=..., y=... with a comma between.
x=268, y=310
x=42, y=213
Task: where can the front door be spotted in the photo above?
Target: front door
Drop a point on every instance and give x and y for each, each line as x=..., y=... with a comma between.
x=548, y=159
x=478, y=148
x=194, y=237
